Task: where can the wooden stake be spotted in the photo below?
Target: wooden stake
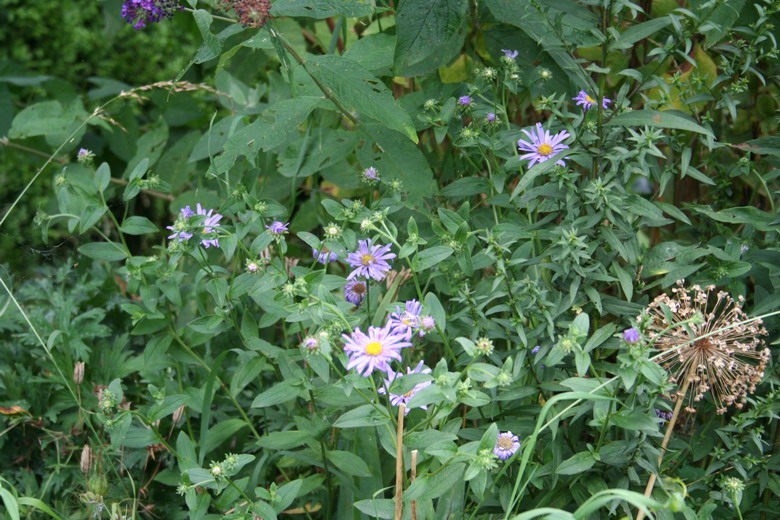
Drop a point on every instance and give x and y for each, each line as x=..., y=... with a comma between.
x=668, y=435
x=414, y=476
x=399, y=463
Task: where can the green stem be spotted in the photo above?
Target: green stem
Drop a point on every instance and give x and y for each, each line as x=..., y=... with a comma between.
x=205, y=365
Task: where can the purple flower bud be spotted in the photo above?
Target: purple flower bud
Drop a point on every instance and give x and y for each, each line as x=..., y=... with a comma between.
x=465, y=101
x=631, y=335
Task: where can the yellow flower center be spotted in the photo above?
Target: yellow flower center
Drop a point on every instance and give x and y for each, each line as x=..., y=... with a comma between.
x=505, y=443
x=374, y=348
x=544, y=149
x=589, y=99
x=367, y=260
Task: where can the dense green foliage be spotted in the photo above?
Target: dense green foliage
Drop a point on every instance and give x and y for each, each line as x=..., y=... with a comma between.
x=199, y=371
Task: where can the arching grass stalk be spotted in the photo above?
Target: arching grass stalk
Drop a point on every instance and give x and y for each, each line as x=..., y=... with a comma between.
x=579, y=397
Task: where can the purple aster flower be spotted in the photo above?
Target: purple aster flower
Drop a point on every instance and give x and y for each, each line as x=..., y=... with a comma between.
x=465, y=101
x=490, y=117
x=370, y=261
x=140, y=12
x=373, y=351
x=180, y=227
x=355, y=291
x=535, y=350
x=325, y=256
x=506, y=445
x=510, y=54
x=586, y=101
x=211, y=222
x=404, y=322
x=542, y=145
x=278, y=228
x=396, y=399
x=370, y=175
x=665, y=416
x=631, y=335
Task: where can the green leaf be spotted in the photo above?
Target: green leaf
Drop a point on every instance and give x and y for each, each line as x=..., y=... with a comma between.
x=321, y=9
x=365, y=415
x=433, y=305
x=45, y=118
x=428, y=486
x=760, y=220
x=377, y=507
x=221, y=432
x=37, y=504
x=271, y=128
x=769, y=145
x=108, y=251
x=397, y=158
x=635, y=421
x=466, y=187
x=430, y=257
x=138, y=226
x=639, y=32
x=577, y=464
x=284, y=440
x=349, y=463
x=278, y=394
x=429, y=33
x=11, y=505
x=659, y=119
x=359, y=90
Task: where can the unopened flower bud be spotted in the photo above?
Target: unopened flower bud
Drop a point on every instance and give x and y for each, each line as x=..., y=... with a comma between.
x=78, y=372
x=86, y=459
x=178, y=413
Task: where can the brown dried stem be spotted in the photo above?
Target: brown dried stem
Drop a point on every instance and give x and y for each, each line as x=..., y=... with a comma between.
x=414, y=476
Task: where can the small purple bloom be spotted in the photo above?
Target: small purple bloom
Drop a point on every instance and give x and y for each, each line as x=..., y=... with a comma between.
x=535, y=350
x=510, y=54
x=427, y=324
x=404, y=322
x=665, y=416
x=278, y=228
x=186, y=212
x=325, y=256
x=396, y=399
x=465, y=101
x=355, y=291
x=490, y=117
x=370, y=261
x=140, y=12
x=586, y=101
x=373, y=351
x=506, y=445
x=212, y=221
x=542, y=145
x=631, y=335
x=370, y=175
x=311, y=343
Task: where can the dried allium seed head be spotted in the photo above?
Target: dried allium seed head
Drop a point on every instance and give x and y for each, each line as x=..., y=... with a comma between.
x=705, y=340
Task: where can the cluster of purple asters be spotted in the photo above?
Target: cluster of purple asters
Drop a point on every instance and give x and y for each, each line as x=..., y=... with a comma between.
x=140, y=12
x=397, y=399
x=370, y=261
x=375, y=349
x=411, y=320
x=182, y=226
